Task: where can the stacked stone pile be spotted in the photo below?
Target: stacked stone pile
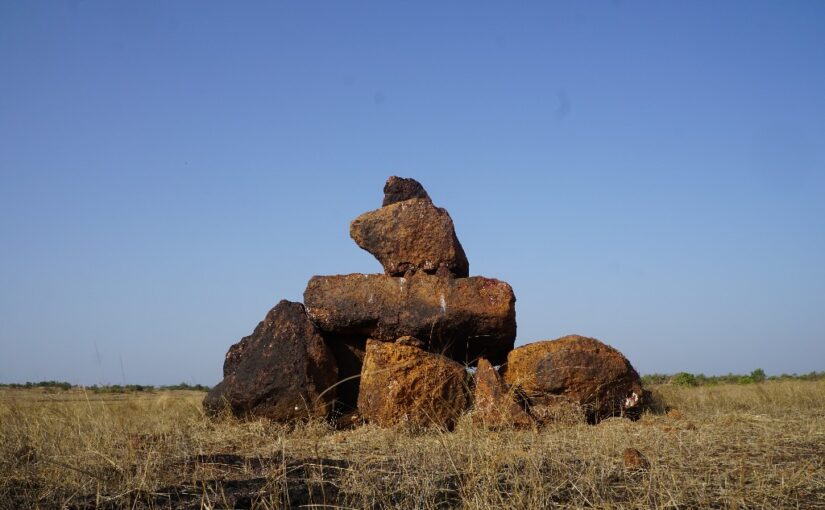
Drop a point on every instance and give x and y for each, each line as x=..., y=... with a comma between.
x=395, y=348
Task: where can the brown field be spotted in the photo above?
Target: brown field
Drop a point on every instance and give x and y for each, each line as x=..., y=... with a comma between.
x=728, y=446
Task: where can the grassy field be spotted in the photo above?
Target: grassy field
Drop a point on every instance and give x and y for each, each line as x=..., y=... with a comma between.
x=725, y=446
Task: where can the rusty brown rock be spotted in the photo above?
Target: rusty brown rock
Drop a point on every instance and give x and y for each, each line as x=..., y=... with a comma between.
x=494, y=406
x=574, y=370
x=411, y=235
x=280, y=371
x=398, y=189
x=405, y=385
x=634, y=460
x=463, y=318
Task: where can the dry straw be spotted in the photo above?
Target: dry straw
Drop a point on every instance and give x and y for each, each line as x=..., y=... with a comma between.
x=728, y=446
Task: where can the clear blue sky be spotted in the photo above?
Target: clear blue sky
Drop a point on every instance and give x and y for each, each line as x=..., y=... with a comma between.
x=650, y=174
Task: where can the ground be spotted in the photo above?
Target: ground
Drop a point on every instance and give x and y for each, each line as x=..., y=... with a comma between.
x=726, y=446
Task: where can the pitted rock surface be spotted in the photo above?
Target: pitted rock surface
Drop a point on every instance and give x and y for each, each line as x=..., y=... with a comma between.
x=404, y=385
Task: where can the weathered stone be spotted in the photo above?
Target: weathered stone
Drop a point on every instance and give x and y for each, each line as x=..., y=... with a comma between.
x=405, y=385
x=463, y=318
x=398, y=189
x=495, y=407
x=281, y=371
x=411, y=235
x=577, y=370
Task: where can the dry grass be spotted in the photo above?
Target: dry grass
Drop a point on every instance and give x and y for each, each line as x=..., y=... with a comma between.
x=754, y=446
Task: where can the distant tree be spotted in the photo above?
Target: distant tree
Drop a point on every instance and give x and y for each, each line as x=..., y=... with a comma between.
x=758, y=375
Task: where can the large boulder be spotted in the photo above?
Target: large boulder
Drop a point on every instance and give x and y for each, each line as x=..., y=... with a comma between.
x=574, y=370
x=398, y=189
x=404, y=385
x=495, y=406
x=463, y=318
x=411, y=235
x=282, y=371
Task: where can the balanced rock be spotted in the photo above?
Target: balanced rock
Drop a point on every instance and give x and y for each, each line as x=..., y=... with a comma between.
x=463, y=318
x=495, y=406
x=398, y=189
x=282, y=371
x=404, y=385
x=574, y=369
x=410, y=234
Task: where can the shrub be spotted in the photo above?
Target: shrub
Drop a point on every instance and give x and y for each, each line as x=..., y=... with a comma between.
x=758, y=375
x=683, y=379
x=186, y=386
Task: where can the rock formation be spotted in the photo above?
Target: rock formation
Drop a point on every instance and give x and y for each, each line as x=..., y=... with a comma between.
x=394, y=348
x=573, y=369
x=283, y=370
x=404, y=385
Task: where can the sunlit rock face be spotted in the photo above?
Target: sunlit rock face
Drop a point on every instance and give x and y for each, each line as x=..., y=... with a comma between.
x=404, y=385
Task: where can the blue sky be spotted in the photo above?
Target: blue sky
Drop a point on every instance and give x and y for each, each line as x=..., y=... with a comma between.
x=648, y=173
